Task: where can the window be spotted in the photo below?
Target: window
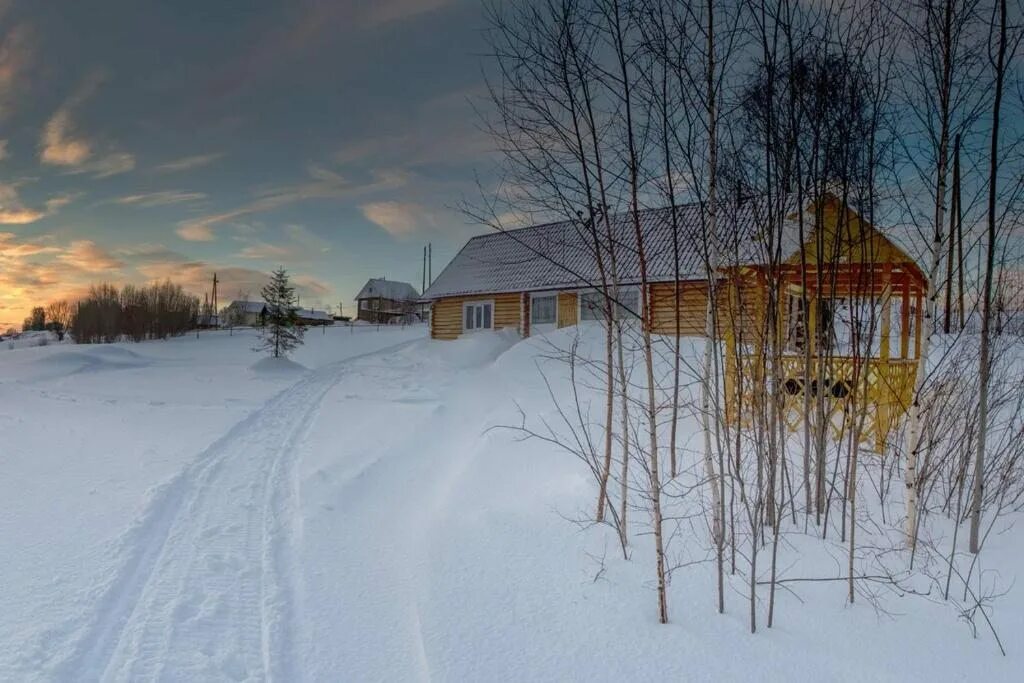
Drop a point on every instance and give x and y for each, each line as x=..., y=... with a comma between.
x=543, y=310
x=592, y=304
x=476, y=315
x=629, y=303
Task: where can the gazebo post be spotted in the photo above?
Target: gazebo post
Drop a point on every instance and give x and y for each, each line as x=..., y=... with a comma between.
x=883, y=405
x=905, y=320
x=883, y=345
x=918, y=320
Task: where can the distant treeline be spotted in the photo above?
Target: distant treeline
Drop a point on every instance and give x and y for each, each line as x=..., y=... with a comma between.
x=157, y=311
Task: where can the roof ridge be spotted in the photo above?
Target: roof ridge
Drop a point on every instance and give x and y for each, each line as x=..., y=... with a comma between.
x=565, y=221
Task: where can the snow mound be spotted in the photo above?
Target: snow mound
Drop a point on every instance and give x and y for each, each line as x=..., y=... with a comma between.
x=96, y=359
x=276, y=367
x=27, y=340
x=471, y=350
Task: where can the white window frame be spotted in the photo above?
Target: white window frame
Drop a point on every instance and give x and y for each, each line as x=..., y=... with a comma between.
x=477, y=302
x=543, y=295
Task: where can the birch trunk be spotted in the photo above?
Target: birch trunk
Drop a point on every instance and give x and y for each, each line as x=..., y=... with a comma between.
x=915, y=429
x=710, y=329
x=984, y=365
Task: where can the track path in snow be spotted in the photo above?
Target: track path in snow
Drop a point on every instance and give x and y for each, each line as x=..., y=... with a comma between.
x=203, y=591
x=370, y=516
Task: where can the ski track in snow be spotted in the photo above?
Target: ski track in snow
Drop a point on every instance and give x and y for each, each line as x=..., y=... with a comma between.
x=205, y=589
x=389, y=503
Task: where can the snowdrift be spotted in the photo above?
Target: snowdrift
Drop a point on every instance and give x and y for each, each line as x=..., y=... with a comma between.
x=276, y=367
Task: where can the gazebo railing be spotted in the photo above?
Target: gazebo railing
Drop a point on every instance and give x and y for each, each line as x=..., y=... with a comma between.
x=881, y=388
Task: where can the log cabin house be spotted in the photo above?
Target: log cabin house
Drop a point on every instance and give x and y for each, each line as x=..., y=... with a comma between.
x=849, y=298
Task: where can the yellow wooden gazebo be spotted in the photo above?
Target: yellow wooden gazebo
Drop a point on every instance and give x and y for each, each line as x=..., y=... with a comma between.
x=849, y=335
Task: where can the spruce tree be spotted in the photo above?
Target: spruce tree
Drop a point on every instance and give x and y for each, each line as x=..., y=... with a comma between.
x=282, y=331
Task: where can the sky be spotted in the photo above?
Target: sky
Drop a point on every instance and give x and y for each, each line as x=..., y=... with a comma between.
x=150, y=139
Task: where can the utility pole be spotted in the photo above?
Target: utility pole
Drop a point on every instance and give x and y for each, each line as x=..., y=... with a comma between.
x=430, y=263
x=423, y=282
x=215, y=313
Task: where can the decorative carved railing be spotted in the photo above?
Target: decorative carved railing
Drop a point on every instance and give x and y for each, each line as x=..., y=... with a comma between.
x=879, y=391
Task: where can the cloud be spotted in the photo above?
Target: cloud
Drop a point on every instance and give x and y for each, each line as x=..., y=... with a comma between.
x=86, y=255
x=398, y=219
x=195, y=232
x=387, y=11
x=59, y=147
x=306, y=238
x=321, y=184
x=188, y=163
x=148, y=253
x=312, y=26
x=112, y=164
x=266, y=251
x=10, y=248
x=162, y=198
x=439, y=131
x=14, y=212
x=62, y=145
x=19, y=216
x=16, y=54
x=311, y=288
x=297, y=244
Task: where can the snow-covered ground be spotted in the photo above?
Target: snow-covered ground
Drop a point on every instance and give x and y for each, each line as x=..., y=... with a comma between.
x=178, y=511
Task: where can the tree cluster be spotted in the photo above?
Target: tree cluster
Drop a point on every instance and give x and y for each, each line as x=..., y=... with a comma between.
x=108, y=314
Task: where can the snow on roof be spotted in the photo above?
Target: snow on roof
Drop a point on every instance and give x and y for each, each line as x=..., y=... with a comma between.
x=561, y=255
x=388, y=289
x=312, y=315
x=258, y=306
x=248, y=306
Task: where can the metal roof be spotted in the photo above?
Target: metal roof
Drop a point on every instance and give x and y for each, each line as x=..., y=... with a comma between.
x=388, y=289
x=247, y=306
x=308, y=314
x=562, y=254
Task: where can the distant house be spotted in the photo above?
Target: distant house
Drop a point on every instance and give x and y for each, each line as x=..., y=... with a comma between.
x=252, y=313
x=383, y=301
x=313, y=318
x=208, y=321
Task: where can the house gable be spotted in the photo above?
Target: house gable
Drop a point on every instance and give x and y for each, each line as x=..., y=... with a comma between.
x=844, y=237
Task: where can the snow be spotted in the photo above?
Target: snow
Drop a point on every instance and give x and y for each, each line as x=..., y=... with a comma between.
x=271, y=367
x=184, y=510
x=392, y=290
x=29, y=339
